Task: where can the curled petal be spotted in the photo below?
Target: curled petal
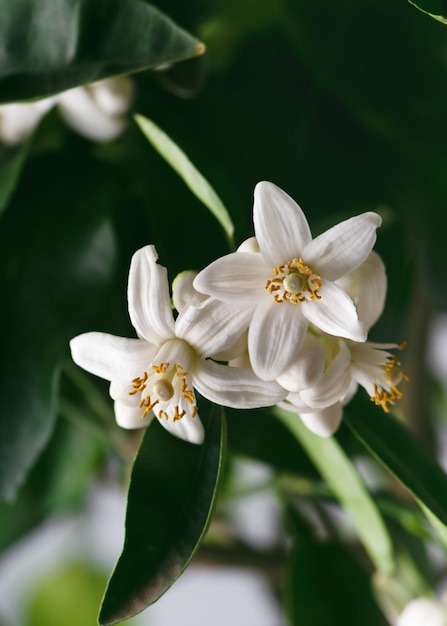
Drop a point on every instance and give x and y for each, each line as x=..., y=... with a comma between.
x=188, y=428
x=334, y=313
x=237, y=278
x=281, y=227
x=148, y=297
x=308, y=367
x=111, y=357
x=235, y=387
x=342, y=248
x=130, y=417
x=212, y=326
x=274, y=338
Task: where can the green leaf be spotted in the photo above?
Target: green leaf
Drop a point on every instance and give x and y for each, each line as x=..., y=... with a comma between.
x=178, y=160
x=437, y=9
x=327, y=587
x=172, y=493
x=344, y=480
x=56, y=279
x=52, y=45
x=397, y=449
x=11, y=164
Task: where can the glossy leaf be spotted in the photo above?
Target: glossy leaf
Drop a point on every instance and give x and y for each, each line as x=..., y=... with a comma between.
x=345, y=482
x=178, y=160
x=326, y=586
x=57, y=273
x=52, y=45
x=437, y=9
x=396, y=448
x=171, y=497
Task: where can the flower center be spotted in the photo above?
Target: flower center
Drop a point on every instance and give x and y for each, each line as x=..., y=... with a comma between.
x=168, y=390
x=387, y=395
x=294, y=282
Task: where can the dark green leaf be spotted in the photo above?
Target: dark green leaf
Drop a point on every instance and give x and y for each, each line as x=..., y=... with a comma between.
x=171, y=497
x=196, y=182
x=11, y=163
x=327, y=587
x=56, y=275
x=437, y=9
x=52, y=45
x=394, y=445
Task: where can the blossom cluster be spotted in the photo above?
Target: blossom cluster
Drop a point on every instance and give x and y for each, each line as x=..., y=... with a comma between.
x=282, y=321
x=96, y=111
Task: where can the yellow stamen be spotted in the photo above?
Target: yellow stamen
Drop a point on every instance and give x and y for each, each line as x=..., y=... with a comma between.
x=138, y=384
x=294, y=282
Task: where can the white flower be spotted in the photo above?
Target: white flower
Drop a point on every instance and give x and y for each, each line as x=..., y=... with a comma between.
x=291, y=281
x=423, y=612
x=97, y=110
x=157, y=373
x=19, y=119
x=347, y=363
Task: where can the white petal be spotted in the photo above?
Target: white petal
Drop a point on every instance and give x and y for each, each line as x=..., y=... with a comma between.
x=342, y=248
x=237, y=278
x=18, y=120
x=188, y=428
x=281, y=227
x=80, y=111
x=148, y=297
x=367, y=287
x=183, y=291
x=274, y=337
x=213, y=326
x=334, y=313
x=333, y=385
x=235, y=387
x=113, y=95
x=130, y=416
x=325, y=422
x=307, y=368
x=111, y=357
x=423, y=612
x=249, y=245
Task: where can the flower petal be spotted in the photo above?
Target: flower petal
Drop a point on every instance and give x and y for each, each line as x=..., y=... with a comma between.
x=367, y=287
x=275, y=335
x=324, y=423
x=235, y=387
x=307, y=368
x=148, y=297
x=129, y=417
x=183, y=291
x=342, y=248
x=333, y=385
x=111, y=357
x=334, y=313
x=281, y=227
x=236, y=278
x=188, y=428
x=213, y=326
x=80, y=111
